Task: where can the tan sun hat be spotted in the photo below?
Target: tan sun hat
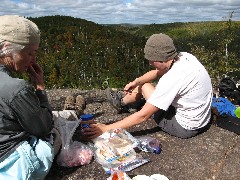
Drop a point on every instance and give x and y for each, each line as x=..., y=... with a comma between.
x=19, y=30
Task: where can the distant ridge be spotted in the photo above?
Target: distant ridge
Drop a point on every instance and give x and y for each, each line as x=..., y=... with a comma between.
x=76, y=53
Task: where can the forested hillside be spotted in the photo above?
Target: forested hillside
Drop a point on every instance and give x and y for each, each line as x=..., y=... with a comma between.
x=216, y=44
x=76, y=53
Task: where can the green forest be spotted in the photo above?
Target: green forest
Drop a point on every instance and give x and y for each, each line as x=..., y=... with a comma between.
x=76, y=53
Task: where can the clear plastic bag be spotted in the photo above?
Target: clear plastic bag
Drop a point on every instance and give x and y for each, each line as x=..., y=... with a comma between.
x=73, y=153
x=149, y=144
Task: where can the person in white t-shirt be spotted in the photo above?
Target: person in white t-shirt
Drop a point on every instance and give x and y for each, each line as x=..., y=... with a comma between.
x=181, y=100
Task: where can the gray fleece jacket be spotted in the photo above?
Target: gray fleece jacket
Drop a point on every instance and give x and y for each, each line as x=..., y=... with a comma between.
x=23, y=112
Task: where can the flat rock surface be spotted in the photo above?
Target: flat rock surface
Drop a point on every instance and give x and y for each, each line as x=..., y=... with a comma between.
x=211, y=155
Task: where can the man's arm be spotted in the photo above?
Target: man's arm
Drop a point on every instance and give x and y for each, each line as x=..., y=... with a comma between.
x=146, y=78
x=144, y=114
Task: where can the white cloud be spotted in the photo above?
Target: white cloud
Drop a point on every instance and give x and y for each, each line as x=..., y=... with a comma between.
x=126, y=11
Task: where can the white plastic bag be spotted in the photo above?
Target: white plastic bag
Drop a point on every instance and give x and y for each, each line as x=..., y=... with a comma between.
x=70, y=115
x=73, y=153
x=152, y=177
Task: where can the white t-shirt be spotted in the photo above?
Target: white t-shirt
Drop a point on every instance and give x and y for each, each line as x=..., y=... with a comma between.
x=186, y=86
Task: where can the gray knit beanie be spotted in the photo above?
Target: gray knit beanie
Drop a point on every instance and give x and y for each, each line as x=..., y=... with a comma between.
x=160, y=47
x=19, y=30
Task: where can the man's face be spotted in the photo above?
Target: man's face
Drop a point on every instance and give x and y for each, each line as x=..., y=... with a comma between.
x=25, y=58
x=161, y=66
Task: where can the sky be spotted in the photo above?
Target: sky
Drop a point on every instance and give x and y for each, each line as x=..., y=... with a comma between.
x=127, y=11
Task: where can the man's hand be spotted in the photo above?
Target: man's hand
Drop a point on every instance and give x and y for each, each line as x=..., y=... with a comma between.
x=95, y=130
x=130, y=87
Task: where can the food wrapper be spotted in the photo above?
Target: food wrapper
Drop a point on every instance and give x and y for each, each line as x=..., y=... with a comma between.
x=115, y=151
x=118, y=175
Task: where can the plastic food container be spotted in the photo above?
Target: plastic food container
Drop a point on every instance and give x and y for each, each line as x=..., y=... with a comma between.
x=86, y=120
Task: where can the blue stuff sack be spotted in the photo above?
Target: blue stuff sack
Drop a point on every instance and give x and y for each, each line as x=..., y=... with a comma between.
x=224, y=106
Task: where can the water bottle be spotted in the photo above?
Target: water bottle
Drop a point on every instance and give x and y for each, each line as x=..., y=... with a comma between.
x=149, y=144
x=237, y=112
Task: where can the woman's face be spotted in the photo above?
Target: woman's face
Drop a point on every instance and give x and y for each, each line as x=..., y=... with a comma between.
x=26, y=57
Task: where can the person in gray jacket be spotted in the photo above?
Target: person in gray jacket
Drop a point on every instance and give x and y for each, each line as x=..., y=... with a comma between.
x=26, y=141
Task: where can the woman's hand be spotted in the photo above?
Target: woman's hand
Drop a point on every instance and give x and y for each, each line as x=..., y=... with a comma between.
x=36, y=76
x=95, y=130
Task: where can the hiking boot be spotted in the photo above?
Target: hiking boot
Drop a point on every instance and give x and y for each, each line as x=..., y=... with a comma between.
x=114, y=97
x=80, y=105
x=69, y=103
x=136, y=106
